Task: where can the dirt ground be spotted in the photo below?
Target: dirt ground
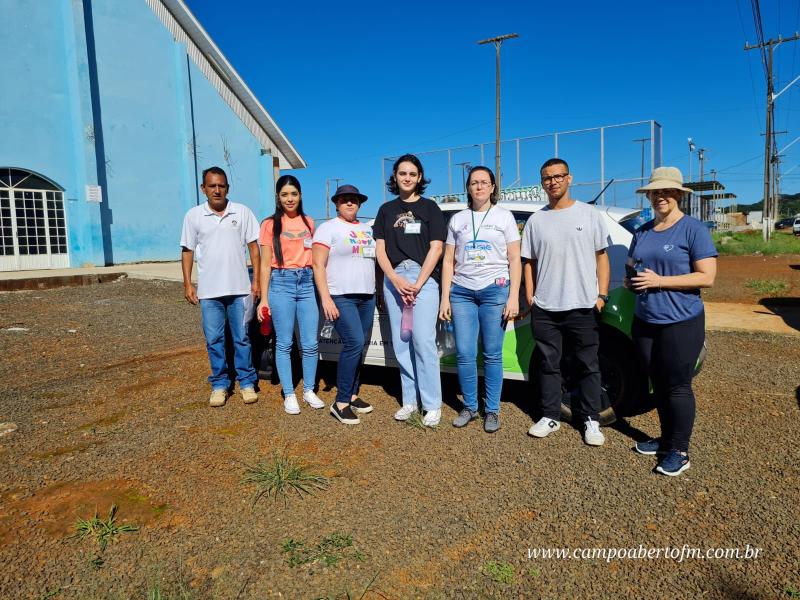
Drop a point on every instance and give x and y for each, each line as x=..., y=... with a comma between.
x=735, y=272
x=107, y=387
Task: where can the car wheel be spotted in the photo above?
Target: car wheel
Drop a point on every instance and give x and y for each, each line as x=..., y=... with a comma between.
x=624, y=391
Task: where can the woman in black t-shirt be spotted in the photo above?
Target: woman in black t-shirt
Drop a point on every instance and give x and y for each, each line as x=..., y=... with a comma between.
x=409, y=232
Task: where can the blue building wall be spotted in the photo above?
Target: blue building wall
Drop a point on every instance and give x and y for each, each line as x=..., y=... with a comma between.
x=103, y=95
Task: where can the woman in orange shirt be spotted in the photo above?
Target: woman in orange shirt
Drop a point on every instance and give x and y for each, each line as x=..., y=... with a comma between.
x=287, y=289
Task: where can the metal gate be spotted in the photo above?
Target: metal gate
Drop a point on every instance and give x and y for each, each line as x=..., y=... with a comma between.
x=33, y=229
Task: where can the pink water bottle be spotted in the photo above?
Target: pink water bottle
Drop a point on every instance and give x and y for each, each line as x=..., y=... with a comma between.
x=407, y=322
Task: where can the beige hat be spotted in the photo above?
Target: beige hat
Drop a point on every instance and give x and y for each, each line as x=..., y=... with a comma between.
x=665, y=178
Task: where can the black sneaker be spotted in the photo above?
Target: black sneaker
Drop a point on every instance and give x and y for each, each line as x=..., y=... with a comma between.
x=359, y=406
x=345, y=415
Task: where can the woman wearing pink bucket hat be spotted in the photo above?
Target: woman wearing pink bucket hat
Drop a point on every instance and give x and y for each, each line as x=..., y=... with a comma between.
x=673, y=256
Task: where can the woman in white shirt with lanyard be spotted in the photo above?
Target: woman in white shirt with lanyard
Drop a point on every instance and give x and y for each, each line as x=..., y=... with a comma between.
x=481, y=275
x=344, y=270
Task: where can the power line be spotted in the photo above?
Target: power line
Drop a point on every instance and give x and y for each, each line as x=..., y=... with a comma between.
x=749, y=63
x=770, y=152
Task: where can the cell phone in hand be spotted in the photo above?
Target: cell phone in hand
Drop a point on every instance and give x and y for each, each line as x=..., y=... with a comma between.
x=630, y=272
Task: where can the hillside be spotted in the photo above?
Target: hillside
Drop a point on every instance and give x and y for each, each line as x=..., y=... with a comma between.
x=789, y=205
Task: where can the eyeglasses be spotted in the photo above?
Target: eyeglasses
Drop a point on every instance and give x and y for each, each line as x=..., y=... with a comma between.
x=348, y=200
x=554, y=178
x=480, y=184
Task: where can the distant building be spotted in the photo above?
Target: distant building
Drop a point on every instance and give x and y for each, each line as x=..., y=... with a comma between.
x=754, y=217
x=109, y=111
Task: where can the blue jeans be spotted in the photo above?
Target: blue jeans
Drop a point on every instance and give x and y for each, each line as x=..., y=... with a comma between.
x=292, y=295
x=356, y=315
x=418, y=358
x=473, y=310
x=215, y=312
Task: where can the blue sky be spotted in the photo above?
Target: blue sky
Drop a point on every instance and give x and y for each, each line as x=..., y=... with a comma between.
x=353, y=82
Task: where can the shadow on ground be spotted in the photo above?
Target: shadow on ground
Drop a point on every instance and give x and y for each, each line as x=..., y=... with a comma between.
x=787, y=309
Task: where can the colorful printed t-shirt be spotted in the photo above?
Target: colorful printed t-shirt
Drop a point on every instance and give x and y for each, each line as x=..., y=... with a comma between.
x=351, y=258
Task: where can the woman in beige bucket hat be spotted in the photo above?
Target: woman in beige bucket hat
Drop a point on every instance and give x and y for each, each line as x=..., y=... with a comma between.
x=673, y=256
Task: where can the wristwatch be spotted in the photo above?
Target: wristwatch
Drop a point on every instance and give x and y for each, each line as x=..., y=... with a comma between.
x=603, y=297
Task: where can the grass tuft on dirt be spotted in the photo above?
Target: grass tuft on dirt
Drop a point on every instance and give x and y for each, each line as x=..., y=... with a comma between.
x=751, y=242
x=102, y=532
x=499, y=572
x=283, y=475
x=768, y=287
x=415, y=420
x=328, y=551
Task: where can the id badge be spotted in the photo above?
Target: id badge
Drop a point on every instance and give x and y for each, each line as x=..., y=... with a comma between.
x=413, y=227
x=307, y=242
x=476, y=253
x=368, y=251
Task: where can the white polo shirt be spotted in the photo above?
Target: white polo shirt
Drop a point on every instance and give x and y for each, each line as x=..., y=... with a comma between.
x=219, y=244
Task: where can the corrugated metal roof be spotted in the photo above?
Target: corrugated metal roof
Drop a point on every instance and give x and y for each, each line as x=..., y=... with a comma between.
x=185, y=28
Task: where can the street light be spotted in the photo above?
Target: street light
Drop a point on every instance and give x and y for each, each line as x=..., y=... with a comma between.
x=328, y=195
x=497, y=41
x=691, y=149
x=464, y=167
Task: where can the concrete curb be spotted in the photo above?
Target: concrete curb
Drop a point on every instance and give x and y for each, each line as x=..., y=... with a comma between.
x=46, y=283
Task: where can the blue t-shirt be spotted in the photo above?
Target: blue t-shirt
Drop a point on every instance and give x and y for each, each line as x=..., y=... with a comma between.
x=671, y=252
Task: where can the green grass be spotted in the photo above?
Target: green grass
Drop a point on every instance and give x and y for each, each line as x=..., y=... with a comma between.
x=499, y=572
x=102, y=531
x=415, y=420
x=768, y=287
x=751, y=242
x=346, y=595
x=791, y=592
x=156, y=592
x=328, y=551
x=282, y=476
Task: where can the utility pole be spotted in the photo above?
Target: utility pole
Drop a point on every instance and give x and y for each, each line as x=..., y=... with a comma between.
x=701, y=155
x=497, y=41
x=769, y=142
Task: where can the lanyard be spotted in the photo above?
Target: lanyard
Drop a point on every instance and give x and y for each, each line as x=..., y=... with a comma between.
x=474, y=231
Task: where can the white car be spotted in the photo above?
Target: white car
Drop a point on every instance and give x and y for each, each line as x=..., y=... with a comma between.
x=622, y=381
x=796, y=226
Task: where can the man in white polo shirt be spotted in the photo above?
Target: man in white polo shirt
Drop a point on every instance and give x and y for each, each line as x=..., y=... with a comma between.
x=217, y=232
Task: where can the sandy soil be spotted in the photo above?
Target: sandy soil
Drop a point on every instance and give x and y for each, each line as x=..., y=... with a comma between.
x=107, y=386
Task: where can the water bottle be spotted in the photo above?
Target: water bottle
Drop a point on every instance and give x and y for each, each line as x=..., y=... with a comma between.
x=407, y=322
x=266, y=321
x=449, y=337
x=327, y=330
x=638, y=265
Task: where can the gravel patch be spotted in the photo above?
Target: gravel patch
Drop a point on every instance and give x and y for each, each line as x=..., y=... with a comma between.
x=117, y=413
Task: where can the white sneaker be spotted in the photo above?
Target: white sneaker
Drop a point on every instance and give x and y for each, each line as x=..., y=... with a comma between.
x=290, y=405
x=218, y=397
x=544, y=427
x=592, y=434
x=432, y=418
x=406, y=411
x=312, y=399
